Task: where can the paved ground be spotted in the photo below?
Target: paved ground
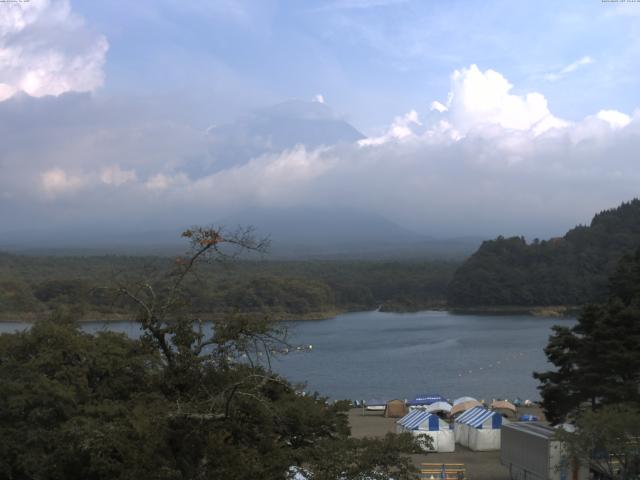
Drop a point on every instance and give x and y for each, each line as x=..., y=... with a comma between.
x=479, y=465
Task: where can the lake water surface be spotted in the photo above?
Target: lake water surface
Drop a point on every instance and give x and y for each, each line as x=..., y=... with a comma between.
x=375, y=354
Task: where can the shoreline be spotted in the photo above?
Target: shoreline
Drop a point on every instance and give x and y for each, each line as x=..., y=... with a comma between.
x=534, y=311
x=559, y=311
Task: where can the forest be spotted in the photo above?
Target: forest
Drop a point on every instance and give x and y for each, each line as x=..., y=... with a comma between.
x=570, y=270
x=175, y=404
x=565, y=271
x=31, y=287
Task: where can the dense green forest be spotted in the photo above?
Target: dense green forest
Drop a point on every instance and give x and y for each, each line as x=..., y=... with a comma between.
x=571, y=270
x=34, y=286
x=176, y=403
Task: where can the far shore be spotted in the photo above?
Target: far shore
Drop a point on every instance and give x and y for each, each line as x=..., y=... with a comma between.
x=536, y=311
x=560, y=311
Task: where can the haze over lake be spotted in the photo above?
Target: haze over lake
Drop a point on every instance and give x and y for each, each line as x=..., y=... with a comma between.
x=375, y=354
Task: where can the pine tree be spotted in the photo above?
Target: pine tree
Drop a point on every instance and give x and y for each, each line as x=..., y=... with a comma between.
x=598, y=360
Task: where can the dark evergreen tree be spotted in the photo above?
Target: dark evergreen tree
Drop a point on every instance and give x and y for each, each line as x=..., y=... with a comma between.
x=598, y=360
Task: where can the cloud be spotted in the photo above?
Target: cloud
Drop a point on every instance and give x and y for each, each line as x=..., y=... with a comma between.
x=614, y=118
x=46, y=49
x=400, y=129
x=114, y=175
x=318, y=98
x=491, y=162
x=56, y=181
x=438, y=107
x=554, y=76
x=478, y=99
x=163, y=181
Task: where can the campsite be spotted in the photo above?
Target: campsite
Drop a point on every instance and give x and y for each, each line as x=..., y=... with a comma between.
x=458, y=440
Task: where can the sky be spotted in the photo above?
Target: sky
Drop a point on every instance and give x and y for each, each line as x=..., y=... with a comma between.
x=477, y=118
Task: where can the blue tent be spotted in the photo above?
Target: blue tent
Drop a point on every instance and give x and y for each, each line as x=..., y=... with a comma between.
x=528, y=418
x=426, y=399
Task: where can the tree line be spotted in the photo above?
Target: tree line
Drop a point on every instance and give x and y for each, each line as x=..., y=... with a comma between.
x=39, y=285
x=568, y=270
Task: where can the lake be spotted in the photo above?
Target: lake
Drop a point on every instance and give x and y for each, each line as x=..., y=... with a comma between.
x=377, y=354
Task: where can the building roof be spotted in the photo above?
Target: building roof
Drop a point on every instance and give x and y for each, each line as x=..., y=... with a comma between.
x=533, y=428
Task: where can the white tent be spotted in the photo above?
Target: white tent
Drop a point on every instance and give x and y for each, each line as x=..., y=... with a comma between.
x=438, y=407
x=479, y=429
x=424, y=423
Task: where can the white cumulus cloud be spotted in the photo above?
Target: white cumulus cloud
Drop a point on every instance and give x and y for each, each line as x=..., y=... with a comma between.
x=46, y=49
x=479, y=99
x=614, y=118
x=400, y=129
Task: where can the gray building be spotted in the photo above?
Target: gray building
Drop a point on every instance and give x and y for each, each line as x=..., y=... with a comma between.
x=531, y=452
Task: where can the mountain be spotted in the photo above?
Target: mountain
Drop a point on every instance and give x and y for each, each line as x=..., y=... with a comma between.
x=272, y=130
x=324, y=233
x=295, y=233
x=569, y=270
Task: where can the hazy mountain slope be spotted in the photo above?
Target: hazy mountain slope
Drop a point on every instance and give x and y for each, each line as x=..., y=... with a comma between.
x=295, y=233
x=570, y=270
x=273, y=130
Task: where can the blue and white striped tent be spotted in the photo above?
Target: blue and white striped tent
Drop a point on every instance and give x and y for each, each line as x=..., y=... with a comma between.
x=419, y=422
x=479, y=429
x=478, y=417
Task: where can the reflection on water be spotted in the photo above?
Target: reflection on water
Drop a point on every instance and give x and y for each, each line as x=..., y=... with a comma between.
x=375, y=354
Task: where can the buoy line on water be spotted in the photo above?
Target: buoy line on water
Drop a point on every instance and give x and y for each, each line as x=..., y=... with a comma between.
x=496, y=364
